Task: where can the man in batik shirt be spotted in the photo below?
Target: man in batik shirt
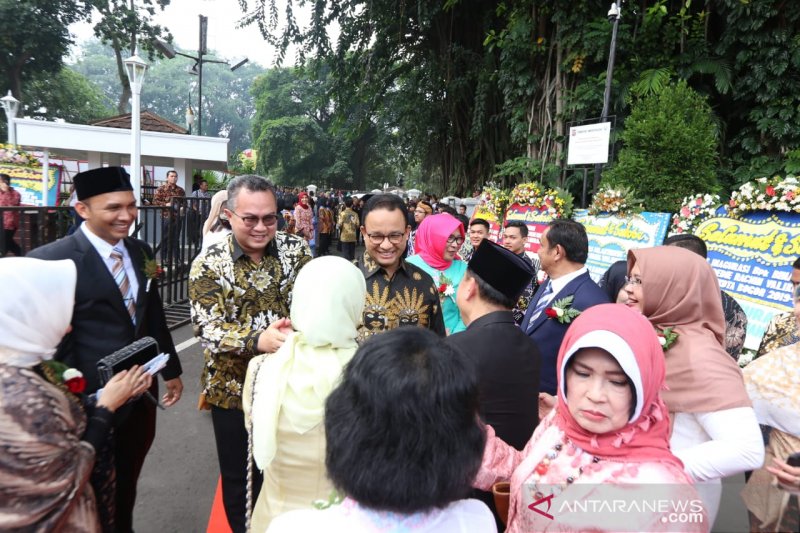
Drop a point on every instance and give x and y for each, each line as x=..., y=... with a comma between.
x=240, y=291
x=170, y=196
x=398, y=293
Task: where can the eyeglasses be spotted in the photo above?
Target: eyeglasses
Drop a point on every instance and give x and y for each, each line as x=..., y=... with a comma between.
x=455, y=240
x=377, y=238
x=630, y=280
x=251, y=221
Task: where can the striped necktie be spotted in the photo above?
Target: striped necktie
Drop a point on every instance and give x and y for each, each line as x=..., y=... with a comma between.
x=121, y=279
x=542, y=303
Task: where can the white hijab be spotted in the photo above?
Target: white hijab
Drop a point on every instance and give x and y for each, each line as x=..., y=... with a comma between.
x=327, y=306
x=35, y=308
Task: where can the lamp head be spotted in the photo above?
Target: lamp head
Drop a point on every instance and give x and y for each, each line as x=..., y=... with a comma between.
x=10, y=104
x=135, y=67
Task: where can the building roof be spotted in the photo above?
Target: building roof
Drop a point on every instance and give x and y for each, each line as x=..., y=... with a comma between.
x=148, y=122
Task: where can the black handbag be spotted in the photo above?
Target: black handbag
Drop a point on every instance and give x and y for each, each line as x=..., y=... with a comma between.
x=137, y=353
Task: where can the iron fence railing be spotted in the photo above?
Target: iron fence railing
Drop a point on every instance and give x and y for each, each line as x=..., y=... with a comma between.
x=174, y=233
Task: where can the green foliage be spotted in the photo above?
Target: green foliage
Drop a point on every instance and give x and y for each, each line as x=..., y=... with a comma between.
x=168, y=90
x=67, y=96
x=127, y=27
x=670, y=148
x=34, y=38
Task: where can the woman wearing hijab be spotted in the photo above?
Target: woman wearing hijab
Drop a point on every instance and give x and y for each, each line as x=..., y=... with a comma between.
x=439, y=238
x=606, y=440
x=774, y=387
x=285, y=392
x=304, y=217
x=48, y=444
x=714, y=427
x=216, y=227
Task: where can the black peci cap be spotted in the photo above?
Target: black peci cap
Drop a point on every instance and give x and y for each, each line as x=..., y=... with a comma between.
x=101, y=180
x=504, y=270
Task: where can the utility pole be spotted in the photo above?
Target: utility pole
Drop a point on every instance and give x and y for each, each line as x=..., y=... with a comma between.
x=614, y=14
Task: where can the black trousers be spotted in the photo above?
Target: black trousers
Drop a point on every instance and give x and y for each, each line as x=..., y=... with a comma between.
x=133, y=437
x=324, y=244
x=10, y=244
x=231, y=437
x=349, y=250
x=170, y=240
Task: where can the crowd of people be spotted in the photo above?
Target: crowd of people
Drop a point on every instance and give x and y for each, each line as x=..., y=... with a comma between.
x=437, y=381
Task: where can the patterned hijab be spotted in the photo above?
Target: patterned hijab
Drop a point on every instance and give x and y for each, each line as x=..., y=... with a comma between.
x=327, y=306
x=680, y=290
x=431, y=239
x=630, y=339
x=36, y=308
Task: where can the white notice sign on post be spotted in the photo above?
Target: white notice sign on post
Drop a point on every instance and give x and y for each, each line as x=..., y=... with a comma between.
x=588, y=144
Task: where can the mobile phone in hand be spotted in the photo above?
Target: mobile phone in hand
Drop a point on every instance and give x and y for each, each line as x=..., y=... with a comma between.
x=794, y=459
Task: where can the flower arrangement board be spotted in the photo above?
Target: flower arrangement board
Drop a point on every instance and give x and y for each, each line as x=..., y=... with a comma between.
x=27, y=181
x=752, y=253
x=611, y=236
x=536, y=218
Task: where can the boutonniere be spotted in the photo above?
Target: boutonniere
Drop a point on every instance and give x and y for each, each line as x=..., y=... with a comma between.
x=666, y=337
x=60, y=374
x=445, y=286
x=562, y=311
x=152, y=270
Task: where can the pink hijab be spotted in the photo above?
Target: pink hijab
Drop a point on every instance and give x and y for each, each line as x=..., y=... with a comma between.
x=431, y=239
x=630, y=339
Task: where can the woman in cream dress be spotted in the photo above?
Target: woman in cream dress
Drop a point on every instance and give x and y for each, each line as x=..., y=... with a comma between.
x=285, y=392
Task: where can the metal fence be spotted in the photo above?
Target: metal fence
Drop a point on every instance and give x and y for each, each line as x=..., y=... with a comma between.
x=175, y=234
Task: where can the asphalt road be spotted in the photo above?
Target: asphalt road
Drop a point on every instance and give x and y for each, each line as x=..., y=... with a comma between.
x=177, y=484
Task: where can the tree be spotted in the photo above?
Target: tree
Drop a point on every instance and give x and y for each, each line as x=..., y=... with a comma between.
x=124, y=26
x=68, y=96
x=670, y=148
x=34, y=37
x=228, y=107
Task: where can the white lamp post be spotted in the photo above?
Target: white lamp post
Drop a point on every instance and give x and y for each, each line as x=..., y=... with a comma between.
x=11, y=106
x=136, y=68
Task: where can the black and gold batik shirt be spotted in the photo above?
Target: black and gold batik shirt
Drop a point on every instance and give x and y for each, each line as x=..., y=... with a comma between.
x=233, y=300
x=409, y=298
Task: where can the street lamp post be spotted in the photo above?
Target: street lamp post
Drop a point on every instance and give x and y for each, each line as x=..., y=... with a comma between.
x=11, y=106
x=202, y=50
x=614, y=14
x=136, y=68
x=189, y=119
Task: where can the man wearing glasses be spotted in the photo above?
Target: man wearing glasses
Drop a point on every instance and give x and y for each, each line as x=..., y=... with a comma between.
x=240, y=291
x=398, y=293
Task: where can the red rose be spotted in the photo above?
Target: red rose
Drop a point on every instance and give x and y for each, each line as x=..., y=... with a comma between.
x=770, y=190
x=76, y=385
x=732, y=203
x=442, y=287
x=790, y=195
x=550, y=312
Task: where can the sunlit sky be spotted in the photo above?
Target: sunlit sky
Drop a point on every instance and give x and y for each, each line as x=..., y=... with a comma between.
x=224, y=38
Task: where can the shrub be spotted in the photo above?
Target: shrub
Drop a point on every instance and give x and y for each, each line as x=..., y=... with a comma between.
x=669, y=150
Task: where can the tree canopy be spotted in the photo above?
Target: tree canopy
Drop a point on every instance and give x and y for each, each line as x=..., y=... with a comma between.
x=469, y=88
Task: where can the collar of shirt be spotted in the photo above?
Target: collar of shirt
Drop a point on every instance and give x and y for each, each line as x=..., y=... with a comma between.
x=371, y=267
x=560, y=283
x=104, y=249
x=237, y=252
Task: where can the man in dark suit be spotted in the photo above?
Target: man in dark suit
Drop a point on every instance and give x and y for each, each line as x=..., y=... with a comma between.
x=563, y=251
x=506, y=359
x=115, y=304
